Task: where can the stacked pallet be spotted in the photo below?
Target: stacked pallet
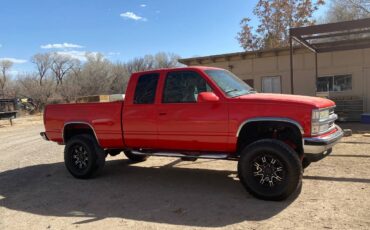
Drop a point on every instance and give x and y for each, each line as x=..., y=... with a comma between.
x=349, y=108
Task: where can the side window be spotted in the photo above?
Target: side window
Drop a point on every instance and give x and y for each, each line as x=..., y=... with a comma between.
x=145, y=89
x=184, y=87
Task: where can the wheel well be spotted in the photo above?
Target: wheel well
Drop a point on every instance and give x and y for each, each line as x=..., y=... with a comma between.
x=71, y=130
x=280, y=130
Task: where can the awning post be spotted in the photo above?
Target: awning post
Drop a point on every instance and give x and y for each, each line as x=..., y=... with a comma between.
x=291, y=65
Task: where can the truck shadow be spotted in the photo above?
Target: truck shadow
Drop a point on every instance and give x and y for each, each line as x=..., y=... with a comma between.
x=338, y=179
x=178, y=196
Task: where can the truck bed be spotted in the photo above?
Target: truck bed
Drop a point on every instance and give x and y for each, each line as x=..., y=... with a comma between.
x=104, y=118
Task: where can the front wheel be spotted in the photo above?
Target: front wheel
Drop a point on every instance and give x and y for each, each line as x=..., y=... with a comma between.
x=270, y=169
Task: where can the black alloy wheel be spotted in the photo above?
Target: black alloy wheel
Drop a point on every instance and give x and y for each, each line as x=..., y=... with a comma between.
x=270, y=169
x=83, y=156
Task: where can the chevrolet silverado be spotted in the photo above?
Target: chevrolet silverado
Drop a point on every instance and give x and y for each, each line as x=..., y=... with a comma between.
x=200, y=112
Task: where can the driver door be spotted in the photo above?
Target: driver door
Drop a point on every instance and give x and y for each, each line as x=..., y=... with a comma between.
x=185, y=124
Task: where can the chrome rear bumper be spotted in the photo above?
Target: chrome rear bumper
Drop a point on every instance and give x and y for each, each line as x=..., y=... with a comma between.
x=43, y=135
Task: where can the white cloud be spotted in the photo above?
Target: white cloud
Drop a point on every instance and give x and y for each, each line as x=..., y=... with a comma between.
x=60, y=46
x=14, y=60
x=80, y=55
x=142, y=5
x=133, y=16
x=114, y=53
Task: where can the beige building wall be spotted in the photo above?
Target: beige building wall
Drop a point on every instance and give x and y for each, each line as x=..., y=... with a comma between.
x=256, y=65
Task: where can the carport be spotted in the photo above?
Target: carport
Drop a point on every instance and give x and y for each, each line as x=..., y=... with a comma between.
x=340, y=36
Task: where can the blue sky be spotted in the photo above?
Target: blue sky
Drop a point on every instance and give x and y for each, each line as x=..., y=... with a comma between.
x=119, y=29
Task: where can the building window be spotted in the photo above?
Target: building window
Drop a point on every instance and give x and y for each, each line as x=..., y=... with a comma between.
x=271, y=84
x=336, y=83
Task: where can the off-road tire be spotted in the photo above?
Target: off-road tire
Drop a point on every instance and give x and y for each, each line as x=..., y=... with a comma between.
x=253, y=177
x=94, y=156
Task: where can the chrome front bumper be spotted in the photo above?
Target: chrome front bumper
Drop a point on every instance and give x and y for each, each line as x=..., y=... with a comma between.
x=320, y=145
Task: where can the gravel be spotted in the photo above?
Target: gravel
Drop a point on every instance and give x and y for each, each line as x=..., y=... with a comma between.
x=37, y=192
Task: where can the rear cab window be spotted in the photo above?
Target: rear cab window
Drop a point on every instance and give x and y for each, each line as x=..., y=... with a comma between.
x=146, y=88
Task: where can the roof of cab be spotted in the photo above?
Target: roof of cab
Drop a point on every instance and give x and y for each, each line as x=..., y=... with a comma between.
x=178, y=68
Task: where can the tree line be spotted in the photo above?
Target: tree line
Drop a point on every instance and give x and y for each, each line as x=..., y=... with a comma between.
x=62, y=78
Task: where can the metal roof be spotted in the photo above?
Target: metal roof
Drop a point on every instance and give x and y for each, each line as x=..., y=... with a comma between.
x=337, y=36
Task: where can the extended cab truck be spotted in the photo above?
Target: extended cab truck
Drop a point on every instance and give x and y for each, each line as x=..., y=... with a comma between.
x=200, y=112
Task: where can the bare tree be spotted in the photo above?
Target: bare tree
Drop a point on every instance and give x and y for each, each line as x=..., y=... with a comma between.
x=43, y=63
x=119, y=78
x=93, y=79
x=30, y=87
x=71, y=89
x=346, y=10
x=62, y=65
x=157, y=61
x=5, y=66
x=275, y=18
x=12, y=89
x=140, y=64
x=166, y=60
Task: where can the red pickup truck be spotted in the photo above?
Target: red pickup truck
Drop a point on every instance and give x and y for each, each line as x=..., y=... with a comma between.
x=200, y=112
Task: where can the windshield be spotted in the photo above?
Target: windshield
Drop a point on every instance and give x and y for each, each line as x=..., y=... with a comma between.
x=230, y=84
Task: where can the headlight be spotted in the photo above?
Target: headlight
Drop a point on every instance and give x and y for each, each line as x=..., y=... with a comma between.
x=322, y=121
x=320, y=115
x=319, y=128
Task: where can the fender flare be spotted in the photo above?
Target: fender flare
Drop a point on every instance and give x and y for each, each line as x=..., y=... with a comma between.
x=76, y=123
x=278, y=119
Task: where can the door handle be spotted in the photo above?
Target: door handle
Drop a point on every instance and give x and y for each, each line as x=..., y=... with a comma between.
x=162, y=114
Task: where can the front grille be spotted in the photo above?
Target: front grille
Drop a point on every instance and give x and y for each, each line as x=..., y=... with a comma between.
x=331, y=111
x=333, y=117
x=331, y=125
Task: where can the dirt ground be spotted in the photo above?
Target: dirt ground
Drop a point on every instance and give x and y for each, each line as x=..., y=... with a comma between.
x=37, y=192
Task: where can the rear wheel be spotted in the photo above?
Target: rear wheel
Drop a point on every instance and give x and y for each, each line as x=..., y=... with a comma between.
x=135, y=157
x=270, y=169
x=83, y=157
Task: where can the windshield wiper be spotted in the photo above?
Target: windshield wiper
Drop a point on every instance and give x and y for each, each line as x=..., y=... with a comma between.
x=243, y=93
x=231, y=90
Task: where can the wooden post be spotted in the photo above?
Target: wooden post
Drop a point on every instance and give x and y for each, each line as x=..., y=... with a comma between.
x=316, y=73
x=291, y=65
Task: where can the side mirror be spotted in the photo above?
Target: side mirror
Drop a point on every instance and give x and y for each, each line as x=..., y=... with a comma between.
x=207, y=97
